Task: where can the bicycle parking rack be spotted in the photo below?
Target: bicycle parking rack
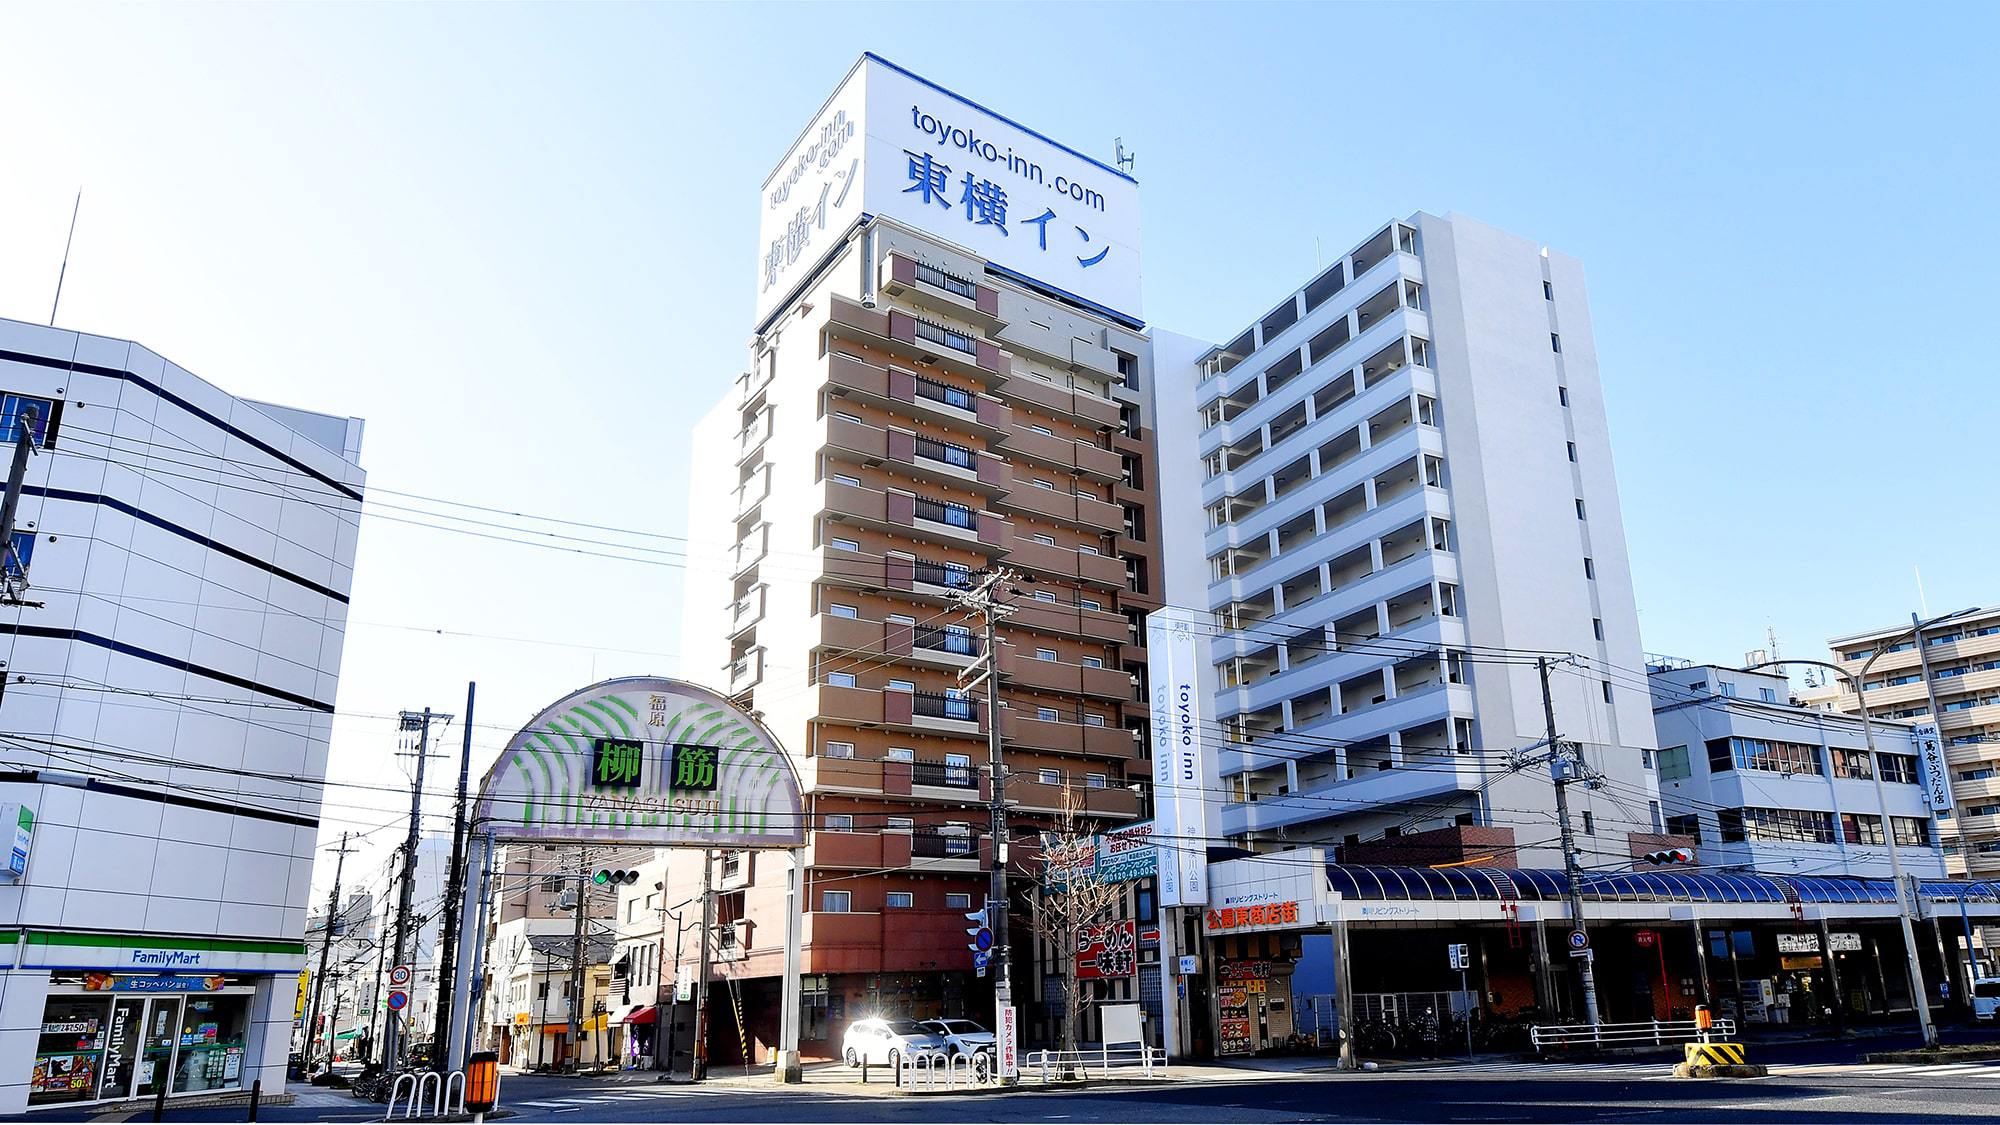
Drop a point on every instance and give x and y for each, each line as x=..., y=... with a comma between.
x=440, y=1087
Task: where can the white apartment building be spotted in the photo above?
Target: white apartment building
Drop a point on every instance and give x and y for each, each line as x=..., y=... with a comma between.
x=171, y=674
x=1766, y=785
x=1406, y=482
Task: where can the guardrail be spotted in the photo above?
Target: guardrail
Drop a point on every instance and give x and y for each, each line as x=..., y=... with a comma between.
x=1656, y=1033
x=920, y=1071
x=440, y=1088
x=1051, y=1063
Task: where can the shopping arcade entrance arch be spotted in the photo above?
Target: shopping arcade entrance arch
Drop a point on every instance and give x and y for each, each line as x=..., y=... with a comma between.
x=640, y=762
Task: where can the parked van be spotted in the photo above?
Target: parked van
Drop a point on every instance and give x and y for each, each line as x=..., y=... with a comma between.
x=1986, y=998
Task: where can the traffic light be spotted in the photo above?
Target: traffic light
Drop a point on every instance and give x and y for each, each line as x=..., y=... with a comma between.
x=609, y=878
x=982, y=941
x=1670, y=856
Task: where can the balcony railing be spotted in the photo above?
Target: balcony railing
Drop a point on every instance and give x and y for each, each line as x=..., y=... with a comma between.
x=935, y=845
x=943, y=773
x=942, y=574
x=947, y=452
x=945, y=393
x=951, y=515
x=935, y=705
x=931, y=275
x=938, y=334
x=955, y=641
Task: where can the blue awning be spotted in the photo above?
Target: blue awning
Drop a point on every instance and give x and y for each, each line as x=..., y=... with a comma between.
x=1505, y=884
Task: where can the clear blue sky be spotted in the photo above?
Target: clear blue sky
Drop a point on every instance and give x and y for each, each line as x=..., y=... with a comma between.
x=520, y=241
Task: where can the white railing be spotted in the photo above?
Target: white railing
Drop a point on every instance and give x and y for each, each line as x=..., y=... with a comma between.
x=1053, y=1064
x=1654, y=1033
x=445, y=1091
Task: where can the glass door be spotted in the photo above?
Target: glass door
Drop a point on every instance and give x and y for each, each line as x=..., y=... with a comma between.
x=156, y=1050
x=121, y=1048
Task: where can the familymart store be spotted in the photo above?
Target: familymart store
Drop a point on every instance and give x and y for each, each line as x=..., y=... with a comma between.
x=106, y=1017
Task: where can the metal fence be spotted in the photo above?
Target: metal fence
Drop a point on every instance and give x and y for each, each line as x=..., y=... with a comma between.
x=1645, y=1033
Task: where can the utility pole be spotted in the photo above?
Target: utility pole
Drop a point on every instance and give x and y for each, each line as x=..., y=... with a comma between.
x=576, y=964
x=984, y=599
x=1566, y=768
x=454, y=889
x=421, y=724
x=13, y=568
x=698, y=1069
x=332, y=913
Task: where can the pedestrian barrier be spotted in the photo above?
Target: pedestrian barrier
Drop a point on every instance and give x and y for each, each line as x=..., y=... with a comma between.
x=1657, y=1033
x=907, y=1067
x=440, y=1089
x=1050, y=1064
x=1714, y=1054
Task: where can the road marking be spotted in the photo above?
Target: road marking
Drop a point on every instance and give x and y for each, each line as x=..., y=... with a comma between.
x=540, y=1105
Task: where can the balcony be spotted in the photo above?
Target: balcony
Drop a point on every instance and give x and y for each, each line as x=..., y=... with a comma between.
x=1067, y=455
x=1062, y=402
x=1061, y=505
x=931, y=711
x=1024, y=731
x=919, y=456
x=750, y=550
x=1070, y=620
x=1112, y=802
x=897, y=332
x=1068, y=563
x=1025, y=671
x=753, y=436
x=914, y=644
x=747, y=610
x=823, y=774
x=746, y=671
x=902, y=513
x=931, y=288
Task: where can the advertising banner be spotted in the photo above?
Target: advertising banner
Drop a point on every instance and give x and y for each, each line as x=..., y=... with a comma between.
x=1182, y=673
x=1931, y=766
x=1127, y=853
x=1107, y=951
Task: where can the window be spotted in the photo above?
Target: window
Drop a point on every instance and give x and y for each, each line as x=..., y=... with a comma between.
x=1898, y=767
x=957, y=900
x=22, y=555
x=1579, y=507
x=1912, y=831
x=1046, y=541
x=1040, y=429
x=1653, y=807
x=1091, y=719
x=1572, y=453
x=1860, y=828
x=1555, y=341
x=898, y=824
x=931, y=275
x=901, y=685
x=1674, y=763
x=1040, y=483
x=1562, y=395
x=840, y=679
x=839, y=610
x=13, y=408
x=1589, y=824
x=1768, y=695
x=1048, y=714
x=898, y=900
x=1763, y=754
x=1090, y=603
x=1049, y=777
x=837, y=822
x=843, y=478
x=1096, y=781
x=1045, y=654
x=1729, y=689
x=1850, y=763
x=836, y=902
x=839, y=750
x=900, y=754
x=1607, y=690
x=846, y=415
x=1645, y=758
x=846, y=545
x=1548, y=292
x=1589, y=568
x=1808, y=826
x=1687, y=825
x=944, y=512
x=1597, y=627
x=1093, y=662
x=1045, y=596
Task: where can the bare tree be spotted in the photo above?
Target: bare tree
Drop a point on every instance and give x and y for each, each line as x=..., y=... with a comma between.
x=1073, y=901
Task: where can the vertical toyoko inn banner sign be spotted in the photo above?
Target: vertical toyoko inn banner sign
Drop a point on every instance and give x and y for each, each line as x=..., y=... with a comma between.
x=1182, y=673
x=888, y=143
x=644, y=761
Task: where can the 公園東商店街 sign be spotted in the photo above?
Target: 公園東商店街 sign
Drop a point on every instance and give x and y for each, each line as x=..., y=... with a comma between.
x=1809, y=943
x=1262, y=916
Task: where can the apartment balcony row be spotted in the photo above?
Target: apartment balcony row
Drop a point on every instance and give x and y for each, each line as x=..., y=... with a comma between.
x=915, y=851
x=927, y=287
x=920, y=341
x=1021, y=668
x=1974, y=791
x=1063, y=402
x=1068, y=563
x=1321, y=443
x=1967, y=641
x=747, y=610
x=1253, y=568
x=1058, y=503
x=919, y=455
x=958, y=782
x=752, y=382
x=927, y=713
x=1021, y=730
x=918, y=517
x=1363, y=794
x=1342, y=477
x=1968, y=755
x=917, y=712
x=752, y=437
x=755, y=489
x=746, y=671
x=1066, y=455
x=1431, y=705
x=1332, y=664
x=1349, y=605
x=1379, y=352
x=929, y=645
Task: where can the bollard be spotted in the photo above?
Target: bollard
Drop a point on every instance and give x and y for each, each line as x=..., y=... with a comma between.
x=864, y=1070
x=160, y=1097
x=256, y=1095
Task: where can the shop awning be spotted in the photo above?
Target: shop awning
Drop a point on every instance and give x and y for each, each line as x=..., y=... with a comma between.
x=352, y=1033
x=1490, y=884
x=645, y=1014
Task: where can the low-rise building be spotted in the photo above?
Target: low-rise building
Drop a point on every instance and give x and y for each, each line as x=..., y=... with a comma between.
x=1765, y=784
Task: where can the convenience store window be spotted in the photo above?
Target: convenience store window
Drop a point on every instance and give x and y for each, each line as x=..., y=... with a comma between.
x=101, y=1045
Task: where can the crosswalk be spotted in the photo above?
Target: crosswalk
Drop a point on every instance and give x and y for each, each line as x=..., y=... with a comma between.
x=628, y=1094
x=1657, y=1069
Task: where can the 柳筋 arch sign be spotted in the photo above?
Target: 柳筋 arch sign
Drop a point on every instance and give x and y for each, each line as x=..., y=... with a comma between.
x=644, y=761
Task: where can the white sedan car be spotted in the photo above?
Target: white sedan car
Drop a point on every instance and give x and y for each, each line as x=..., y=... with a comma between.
x=961, y=1037
x=887, y=1041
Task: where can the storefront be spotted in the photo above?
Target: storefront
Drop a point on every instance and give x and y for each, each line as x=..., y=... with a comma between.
x=106, y=1037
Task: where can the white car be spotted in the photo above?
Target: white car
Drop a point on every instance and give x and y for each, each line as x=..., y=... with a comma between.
x=961, y=1037
x=887, y=1041
x=1986, y=998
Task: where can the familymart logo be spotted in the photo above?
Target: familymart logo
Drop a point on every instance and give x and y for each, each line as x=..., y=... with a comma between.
x=166, y=959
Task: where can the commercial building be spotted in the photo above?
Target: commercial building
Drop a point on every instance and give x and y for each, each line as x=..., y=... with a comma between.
x=1406, y=490
x=1763, y=784
x=944, y=381
x=1958, y=663
x=350, y=992
x=172, y=663
x=530, y=938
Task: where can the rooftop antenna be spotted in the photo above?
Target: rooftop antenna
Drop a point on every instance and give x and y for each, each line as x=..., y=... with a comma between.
x=60, y=274
x=1125, y=160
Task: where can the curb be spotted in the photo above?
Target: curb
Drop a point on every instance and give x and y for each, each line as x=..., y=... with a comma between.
x=1933, y=1058
x=1747, y=1070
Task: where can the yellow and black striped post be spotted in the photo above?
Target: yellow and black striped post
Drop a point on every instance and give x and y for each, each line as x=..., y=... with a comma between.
x=1714, y=1054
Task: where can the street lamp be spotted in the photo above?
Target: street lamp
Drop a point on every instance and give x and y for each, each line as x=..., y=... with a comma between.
x=1920, y=998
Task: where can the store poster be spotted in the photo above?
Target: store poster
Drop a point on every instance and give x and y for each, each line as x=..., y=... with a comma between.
x=64, y=1074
